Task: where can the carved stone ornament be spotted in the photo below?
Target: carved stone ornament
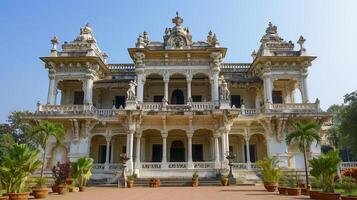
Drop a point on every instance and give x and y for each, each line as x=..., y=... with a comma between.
x=139, y=58
x=130, y=93
x=225, y=93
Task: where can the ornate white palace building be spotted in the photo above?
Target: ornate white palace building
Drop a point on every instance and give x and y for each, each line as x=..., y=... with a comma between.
x=178, y=107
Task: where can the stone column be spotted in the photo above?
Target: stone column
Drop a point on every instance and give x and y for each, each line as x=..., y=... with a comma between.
x=212, y=148
x=215, y=87
x=138, y=146
x=106, y=164
x=267, y=89
x=131, y=145
x=247, y=138
x=304, y=90
x=140, y=87
x=189, y=81
x=88, y=91
x=189, y=145
x=216, y=150
x=164, y=135
x=224, y=145
x=139, y=60
x=166, y=88
x=52, y=91
x=142, y=148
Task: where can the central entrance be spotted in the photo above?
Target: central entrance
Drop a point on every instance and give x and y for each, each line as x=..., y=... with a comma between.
x=177, y=97
x=177, y=151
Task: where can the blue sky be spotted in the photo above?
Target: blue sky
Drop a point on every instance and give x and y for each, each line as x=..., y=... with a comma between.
x=27, y=27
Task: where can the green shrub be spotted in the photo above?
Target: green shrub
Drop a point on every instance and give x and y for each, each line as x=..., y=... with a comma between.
x=270, y=170
x=19, y=162
x=348, y=185
x=195, y=174
x=41, y=182
x=130, y=178
x=81, y=170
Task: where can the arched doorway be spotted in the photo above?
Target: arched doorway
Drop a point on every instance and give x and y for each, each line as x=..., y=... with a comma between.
x=177, y=97
x=177, y=151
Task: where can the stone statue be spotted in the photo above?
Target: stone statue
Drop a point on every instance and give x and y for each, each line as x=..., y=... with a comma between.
x=140, y=42
x=130, y=93
x=209, y=37
x=225, y=93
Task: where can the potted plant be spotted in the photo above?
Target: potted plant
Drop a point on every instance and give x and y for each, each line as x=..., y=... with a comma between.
x=224, y=180
x=60, y=173
x=40, y=190
x=19, y=162
x=315, y=189
x=349, y=188
x=155, y=182
x=282, y=185
x=81, y=171
x=325, y=168
x=195, y=179
x=270, y=173
x=293, y=189
x=130, y=181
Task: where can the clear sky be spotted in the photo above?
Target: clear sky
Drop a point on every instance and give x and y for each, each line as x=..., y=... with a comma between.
x=26, y=28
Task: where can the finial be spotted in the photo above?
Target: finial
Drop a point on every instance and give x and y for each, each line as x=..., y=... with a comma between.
x=215, y=41
x=254, y=54
x=177, y=20
x=54, y=42
x=271, y=29
x=209, y=37
x=301, y=42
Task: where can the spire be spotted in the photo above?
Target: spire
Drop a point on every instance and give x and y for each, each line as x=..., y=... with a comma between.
x=177, y=20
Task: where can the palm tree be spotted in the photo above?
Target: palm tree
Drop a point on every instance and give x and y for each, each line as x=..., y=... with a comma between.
x=42, y=132
x=304, y=135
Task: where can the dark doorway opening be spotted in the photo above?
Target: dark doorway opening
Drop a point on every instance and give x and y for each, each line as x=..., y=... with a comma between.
x=156, y=153
x=78, y=98
x=235, y=100
x=120, y=101
x=103, y=152
x=197, y=152
x=177, y=151
x=177, y=97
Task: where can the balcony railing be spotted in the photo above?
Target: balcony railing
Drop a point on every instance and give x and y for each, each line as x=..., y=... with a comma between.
x=244, y=166
x=294, y=107
x=345, y=165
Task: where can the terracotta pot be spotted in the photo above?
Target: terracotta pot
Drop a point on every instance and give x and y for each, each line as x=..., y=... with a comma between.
x=4, y=197
x=194, y=182
x=129, y=184
x=270, y=187
x=19, y=196
x=304, y=191
x=40, y=193
x=61, y=189
x=293, y=191
x=81, y=188
x=155, y=182
x=55, y=188
x=69, y=181
x=225, y=182
x=348, y=198
x=329, y=196
x=282, y=190
x=314, y=194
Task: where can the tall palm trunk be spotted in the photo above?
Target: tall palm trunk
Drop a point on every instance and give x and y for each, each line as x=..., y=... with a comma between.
x=306, y=170
x=43, y=161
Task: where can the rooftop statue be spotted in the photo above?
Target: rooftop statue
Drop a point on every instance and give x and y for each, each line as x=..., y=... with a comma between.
x=225, y=93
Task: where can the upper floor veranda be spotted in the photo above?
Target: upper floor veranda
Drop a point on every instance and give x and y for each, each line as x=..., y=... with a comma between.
x=178, y=74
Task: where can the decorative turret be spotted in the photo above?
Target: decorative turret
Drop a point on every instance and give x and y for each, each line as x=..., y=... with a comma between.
x=177, y=37
x=54, y=42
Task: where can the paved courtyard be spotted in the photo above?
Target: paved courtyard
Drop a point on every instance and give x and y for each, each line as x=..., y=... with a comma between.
x=174, y=193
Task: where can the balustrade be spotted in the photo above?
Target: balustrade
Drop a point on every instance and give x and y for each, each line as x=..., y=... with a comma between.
x=295, y=106
x=150, y=106
x=345, y=165
x=202, y=106
x=177, y=165
x=203, y=165
x=151, y=165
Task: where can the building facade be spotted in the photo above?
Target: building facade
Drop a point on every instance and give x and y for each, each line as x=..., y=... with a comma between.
x=178, y=107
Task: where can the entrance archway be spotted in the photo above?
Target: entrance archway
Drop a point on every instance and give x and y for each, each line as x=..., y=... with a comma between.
x=177, y=97
x=177, y=151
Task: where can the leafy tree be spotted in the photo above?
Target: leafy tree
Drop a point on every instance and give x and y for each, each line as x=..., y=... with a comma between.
x=6, y=140
x=41, y=134
x=17, y=127
x=304, y=135
x=348, y=125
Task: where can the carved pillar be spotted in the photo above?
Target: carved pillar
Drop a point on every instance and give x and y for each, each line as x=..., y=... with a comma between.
x=88, y=91
x=215, y=87
x=131, y=145
x=247, y=138
x=166, y=88
x=268, y=90
x=303, y=89
x=106, y=164
x=216, y=148
x=189, y=81
x=164, y=148
x=189, y=145
x=52, y=90
x=138, y=146
x=139, y=60
x=216, y=60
